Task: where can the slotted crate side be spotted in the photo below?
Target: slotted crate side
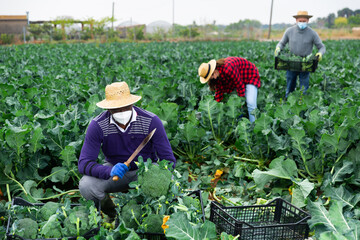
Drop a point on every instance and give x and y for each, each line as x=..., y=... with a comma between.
x=294, y=65
x=223, y=221
x=276, y=220
x=294, y=232
x=291, y=214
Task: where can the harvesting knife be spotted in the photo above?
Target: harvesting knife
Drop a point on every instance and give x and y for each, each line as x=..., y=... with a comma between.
x=137, y=150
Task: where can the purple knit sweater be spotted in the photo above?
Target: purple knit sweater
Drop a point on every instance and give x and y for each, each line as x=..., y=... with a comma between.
x=118, y=146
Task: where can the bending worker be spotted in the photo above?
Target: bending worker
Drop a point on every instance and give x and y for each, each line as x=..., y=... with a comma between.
x=226, y=75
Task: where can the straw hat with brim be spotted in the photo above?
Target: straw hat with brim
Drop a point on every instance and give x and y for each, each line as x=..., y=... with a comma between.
x=302, y=14
x=206, y=70
x=117, y=95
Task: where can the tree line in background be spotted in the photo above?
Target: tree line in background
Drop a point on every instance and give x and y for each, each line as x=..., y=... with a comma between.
x=345, y=18
x=64, y=29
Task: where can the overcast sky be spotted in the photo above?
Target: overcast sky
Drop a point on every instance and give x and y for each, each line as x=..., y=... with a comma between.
x=186, y=11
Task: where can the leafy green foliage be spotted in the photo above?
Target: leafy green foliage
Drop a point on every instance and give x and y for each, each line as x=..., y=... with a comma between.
x=52, y=228
x=332, y=224
x=49, y=209
x=130, y=213
x=77, y=223
x=48, y=96
x=152, y=223
x=181, y=229
x=54, y=220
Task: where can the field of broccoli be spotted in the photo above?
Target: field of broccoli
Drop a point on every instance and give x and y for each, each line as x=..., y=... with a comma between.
x=305, y=150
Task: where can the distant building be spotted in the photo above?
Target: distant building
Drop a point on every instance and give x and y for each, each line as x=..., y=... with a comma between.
x=124, y=27
x=13, y=24
x=158, y=25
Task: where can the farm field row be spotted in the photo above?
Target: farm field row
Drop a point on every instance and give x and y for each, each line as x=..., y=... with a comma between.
x=305, y=150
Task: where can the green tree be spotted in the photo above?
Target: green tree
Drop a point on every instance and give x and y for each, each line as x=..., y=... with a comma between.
x=330, y=20
x=138, y=31
x=346, y=13
x=36, y=30
x=341, y=22
x=354, y=20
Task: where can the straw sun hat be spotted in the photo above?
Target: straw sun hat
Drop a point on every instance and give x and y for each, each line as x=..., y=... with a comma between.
x=303, y=14
x=117, y=95
x=206, y=70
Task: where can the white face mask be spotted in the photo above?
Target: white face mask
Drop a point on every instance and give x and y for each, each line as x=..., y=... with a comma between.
x=122, y=117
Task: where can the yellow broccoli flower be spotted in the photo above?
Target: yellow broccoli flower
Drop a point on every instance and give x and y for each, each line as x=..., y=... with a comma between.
x=165, y=219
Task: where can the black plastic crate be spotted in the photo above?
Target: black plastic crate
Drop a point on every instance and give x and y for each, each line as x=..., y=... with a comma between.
x=21, y=202
x=161, y=236
x=297, y=66
x=276, y=220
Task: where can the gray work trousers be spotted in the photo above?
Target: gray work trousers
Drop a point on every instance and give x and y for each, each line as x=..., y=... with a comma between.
x=96, y=189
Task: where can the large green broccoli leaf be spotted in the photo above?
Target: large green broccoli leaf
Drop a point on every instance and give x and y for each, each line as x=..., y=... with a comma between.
x=279, y=168
x=333, y=223
x=181, y=229
x=52, y=228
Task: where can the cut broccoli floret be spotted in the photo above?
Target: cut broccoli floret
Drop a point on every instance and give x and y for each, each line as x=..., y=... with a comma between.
x=130, y=212
x=77, y=223
x=152, y=223
x=26, y=228
x=155, y=181
x=48, y=209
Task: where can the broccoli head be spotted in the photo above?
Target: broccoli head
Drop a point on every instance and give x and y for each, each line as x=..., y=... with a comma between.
x=26, y=228
x=130, y=212
x=77, y=223
x=48, y=209
x=155, y=182
x=152, y=223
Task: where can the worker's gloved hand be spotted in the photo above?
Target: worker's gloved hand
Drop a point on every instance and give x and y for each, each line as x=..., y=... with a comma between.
x=277, y=51
x=119, y=170
x=319, y=55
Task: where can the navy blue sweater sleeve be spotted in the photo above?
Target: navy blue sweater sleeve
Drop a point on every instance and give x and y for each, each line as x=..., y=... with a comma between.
x=88, y=164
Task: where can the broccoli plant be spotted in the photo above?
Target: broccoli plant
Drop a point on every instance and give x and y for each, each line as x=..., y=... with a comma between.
x=155, y=195
x=54, y=220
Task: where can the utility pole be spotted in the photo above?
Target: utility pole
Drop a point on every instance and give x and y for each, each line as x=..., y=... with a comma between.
x=112, y=19
x=173, y=20
x=272, y=1
x=24, y=28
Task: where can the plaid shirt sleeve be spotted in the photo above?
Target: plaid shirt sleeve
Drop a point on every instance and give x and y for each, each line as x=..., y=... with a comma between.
x=235, y=74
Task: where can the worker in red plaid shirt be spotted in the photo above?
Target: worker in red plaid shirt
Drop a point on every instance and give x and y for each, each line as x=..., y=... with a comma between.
x=229, y=74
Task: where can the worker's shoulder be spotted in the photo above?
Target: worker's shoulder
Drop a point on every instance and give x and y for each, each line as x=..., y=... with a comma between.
x=101, y=116
x=291, y=29
x=144, y=113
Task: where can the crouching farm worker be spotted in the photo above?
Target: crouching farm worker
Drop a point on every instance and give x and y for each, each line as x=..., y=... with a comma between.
x=118, y=131
x=229, y=74
x=301, y=39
